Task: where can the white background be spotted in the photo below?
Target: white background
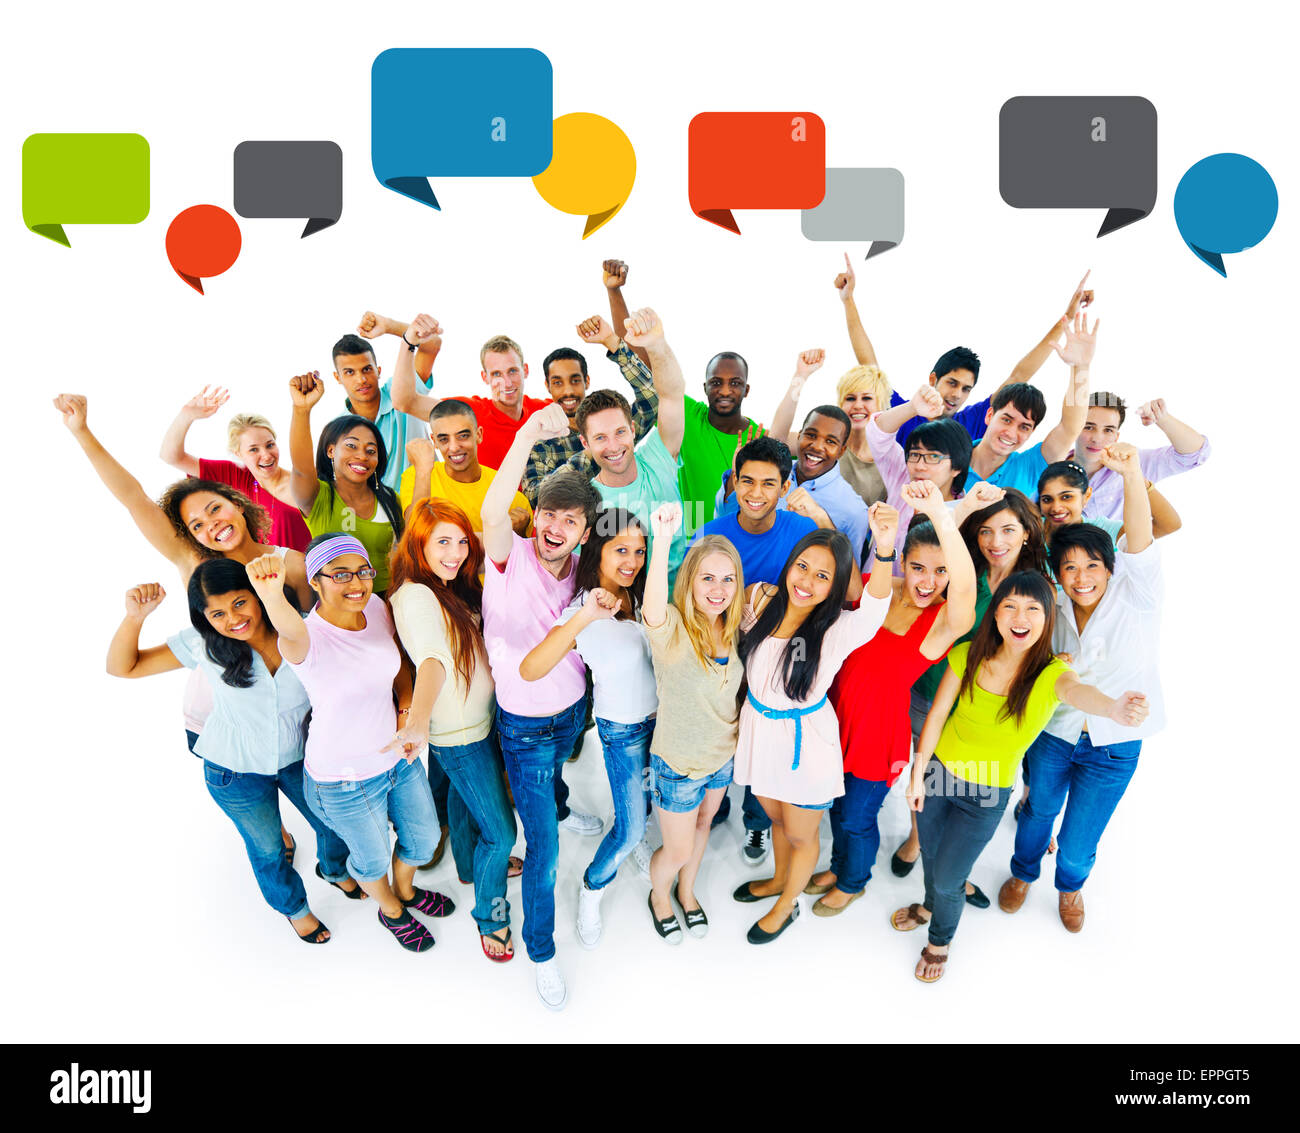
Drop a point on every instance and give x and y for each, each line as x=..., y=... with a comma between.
x=132, y=914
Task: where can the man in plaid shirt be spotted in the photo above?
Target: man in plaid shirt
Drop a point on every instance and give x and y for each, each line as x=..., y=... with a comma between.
x=567, y=382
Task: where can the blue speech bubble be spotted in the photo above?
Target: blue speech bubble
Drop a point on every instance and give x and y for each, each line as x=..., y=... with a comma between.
x=1225, y=203
x=458, y=112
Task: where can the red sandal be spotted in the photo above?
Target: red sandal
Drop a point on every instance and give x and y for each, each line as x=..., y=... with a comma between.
x=498, y=957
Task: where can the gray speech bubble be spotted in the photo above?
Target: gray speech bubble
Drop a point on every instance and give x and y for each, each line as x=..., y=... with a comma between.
x=860, y=204
x=277, y=180
x=1079, y=152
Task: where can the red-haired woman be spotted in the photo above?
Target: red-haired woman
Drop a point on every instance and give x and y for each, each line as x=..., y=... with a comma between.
x=437, y=603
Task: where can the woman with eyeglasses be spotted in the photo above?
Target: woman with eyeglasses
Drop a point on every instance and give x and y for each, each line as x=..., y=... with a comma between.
x=357, y=777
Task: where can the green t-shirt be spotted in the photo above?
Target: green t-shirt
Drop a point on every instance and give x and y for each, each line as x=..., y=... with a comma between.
x=654, y=486
x=978, y=744
x=927, y=684
x=706, y=454
x=330, y=513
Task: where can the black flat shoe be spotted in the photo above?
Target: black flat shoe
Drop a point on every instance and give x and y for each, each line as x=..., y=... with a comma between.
x=354, y=894
x=745, y=894
x=757, y=936
x=669, y=929
x=900, y=867
x=978, y=898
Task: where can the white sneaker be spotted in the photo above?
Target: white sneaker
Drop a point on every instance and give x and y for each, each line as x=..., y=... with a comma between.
x=589, y=915
x=756, y=847
x=550, y=984
x=585, y=824
x=641, y=854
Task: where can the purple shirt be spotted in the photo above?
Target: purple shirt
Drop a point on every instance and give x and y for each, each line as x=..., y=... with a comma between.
x=1107, y=499
x=970, y=417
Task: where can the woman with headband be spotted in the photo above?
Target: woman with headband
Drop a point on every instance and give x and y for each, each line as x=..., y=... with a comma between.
x=252, y=745
x=357, y=776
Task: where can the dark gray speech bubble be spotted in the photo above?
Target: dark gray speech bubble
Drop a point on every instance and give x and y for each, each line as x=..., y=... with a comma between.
x=860, y=204
x=1079, y=152
x=277, y=180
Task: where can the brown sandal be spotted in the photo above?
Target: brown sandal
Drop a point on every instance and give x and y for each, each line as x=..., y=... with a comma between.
x=912, y=911
x=933, y=958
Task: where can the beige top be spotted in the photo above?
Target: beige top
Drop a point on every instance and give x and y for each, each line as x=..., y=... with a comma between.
x=864, y=478
x=460, y=715
x=695, y=731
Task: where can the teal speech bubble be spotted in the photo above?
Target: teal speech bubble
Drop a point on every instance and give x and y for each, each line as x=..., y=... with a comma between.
x=84, y=179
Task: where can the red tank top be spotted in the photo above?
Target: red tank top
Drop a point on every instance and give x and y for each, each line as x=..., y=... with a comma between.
x=871, y=696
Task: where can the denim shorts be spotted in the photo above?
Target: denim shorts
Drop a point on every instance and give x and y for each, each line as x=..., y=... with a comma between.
x=814, y=806
x=679, y=794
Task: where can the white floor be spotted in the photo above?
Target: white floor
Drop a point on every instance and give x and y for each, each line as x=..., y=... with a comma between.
x=183, y=949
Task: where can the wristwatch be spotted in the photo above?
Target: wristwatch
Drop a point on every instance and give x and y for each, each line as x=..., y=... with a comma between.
x=889, y=558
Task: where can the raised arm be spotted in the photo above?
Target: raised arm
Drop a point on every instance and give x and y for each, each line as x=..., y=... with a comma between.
x=305, y=390
x=598, y=605
x=863, y=351
x=498, y=534
x=645, y=329
x=945, y=696
x=125, y=658
x=1123, y=458
x=1031, y=363
x=1128, y=709
x=203, y=404
x=807, y=364
x=654, y=602
x=635, y=371
x=422, y=332
x=1165, y=519
x=926, y=403
x=1184, y=438
x=266, y=575
x=957, y=614
x=147, y=515
x=1080, y=346
x=884, y=532
x=420, y=455
x=614, y=275
x=372, y=326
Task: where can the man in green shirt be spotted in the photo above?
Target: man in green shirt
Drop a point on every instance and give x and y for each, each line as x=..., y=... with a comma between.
x=713, y=429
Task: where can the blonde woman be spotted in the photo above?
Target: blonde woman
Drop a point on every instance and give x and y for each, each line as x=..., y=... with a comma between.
x=693, y=647
x=255, y=471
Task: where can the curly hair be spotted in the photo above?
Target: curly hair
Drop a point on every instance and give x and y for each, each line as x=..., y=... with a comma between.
x=175, y=495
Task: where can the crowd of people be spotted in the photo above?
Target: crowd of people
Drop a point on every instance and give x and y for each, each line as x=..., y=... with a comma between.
x=885, y=585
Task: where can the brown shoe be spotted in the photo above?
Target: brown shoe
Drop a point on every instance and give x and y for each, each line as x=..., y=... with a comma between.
x=1071, y=908
x=1012, y=894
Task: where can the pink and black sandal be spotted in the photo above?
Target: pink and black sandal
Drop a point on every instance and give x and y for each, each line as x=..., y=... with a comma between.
x=410, y=933
x=429, y=903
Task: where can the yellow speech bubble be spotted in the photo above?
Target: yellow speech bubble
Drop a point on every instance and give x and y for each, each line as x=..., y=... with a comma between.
x=592, y=170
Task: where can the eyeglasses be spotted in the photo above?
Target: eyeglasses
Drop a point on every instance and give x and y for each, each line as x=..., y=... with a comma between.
x=345, y=576
x=916, y=457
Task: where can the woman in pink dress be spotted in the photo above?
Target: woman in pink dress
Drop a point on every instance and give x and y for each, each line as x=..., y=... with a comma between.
x=796, y=637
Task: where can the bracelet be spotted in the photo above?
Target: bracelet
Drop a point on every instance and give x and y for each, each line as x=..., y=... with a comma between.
x=409, y=347
x=403, y=711
x=889, y=558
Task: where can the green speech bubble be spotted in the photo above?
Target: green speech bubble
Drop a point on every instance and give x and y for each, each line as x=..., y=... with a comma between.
x=84, y=179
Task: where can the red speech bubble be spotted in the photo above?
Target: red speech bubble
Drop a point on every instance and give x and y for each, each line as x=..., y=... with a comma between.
x=755, y=160
x=202, y=241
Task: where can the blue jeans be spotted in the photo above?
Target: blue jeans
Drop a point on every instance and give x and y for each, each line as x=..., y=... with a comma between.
x=1096, y=779
x=358, y=811
x=956, y=823
x=481, y=817
x=627, y=764
x=252, y=803
x=753, y=814
x=855, y=836
x=454, y=814
x=535, y=749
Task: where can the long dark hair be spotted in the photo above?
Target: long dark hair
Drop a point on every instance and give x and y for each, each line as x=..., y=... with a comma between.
x=1032, y=556
x=609, y=523
x=802, y=652
x=988, y=639
x=330, y=436
x=211, y=579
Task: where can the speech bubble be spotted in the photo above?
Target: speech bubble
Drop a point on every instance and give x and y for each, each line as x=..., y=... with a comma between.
x=1226, y=202
x=860, y=204
x=592, y=170
x=84, y=179
x=277, y=180
x=1079, y=152
x=202, y=241
x=458, y=112
x=754, y=160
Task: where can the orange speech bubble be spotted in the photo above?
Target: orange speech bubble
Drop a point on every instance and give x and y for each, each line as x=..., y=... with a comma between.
x=754, y=159
x=202, y=241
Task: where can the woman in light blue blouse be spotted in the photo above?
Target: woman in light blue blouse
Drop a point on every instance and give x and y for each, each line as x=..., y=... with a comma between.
x=252, y=744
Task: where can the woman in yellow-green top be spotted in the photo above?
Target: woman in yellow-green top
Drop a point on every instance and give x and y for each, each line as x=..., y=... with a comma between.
x=341, y=488
x=998, y=693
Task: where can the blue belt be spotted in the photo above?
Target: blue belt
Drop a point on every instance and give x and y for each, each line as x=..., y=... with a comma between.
x=795, y=714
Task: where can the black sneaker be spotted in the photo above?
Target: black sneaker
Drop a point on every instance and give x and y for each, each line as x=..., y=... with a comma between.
x=757, y=845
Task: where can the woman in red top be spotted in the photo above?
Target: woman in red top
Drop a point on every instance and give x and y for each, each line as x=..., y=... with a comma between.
x=871, y=693
x=256, y=472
